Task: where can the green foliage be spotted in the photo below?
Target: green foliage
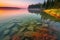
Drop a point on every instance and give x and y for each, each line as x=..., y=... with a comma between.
x=51, y=4
x=48, y=4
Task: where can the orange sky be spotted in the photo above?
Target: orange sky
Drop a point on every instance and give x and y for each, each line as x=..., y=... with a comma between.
x=9, y=3
x=19, y=3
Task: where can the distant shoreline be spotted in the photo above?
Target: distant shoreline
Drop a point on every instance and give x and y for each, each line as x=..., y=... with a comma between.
x=9, y=8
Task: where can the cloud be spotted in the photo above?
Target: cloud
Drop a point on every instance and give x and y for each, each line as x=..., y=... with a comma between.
x=19, y=2
x=13, y=3
x=23, y=1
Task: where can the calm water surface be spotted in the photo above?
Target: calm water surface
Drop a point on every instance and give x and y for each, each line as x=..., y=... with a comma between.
x=10, y=19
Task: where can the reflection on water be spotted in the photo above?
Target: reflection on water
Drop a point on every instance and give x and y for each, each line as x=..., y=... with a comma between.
x=18, y=22
x=52, y=21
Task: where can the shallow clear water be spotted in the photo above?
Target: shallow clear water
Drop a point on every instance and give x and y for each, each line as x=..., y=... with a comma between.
x=11, y=20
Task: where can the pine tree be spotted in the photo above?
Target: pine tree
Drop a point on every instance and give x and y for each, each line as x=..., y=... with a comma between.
x=44, y=4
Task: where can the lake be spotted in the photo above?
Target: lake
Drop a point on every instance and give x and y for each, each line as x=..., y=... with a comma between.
x=14, y=22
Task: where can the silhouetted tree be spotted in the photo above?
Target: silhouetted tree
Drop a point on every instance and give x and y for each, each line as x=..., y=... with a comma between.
x=35, y=6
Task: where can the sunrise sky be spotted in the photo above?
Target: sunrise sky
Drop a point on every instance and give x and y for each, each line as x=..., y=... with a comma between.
x=18, y=3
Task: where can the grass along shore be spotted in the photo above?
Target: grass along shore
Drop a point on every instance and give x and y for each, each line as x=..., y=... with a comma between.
x=53, y=12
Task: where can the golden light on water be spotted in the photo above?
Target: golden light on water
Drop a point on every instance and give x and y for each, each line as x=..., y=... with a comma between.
x=11, y=13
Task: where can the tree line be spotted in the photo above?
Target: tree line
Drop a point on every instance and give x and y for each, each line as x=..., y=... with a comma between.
x=51, y=4
x=47, y=4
